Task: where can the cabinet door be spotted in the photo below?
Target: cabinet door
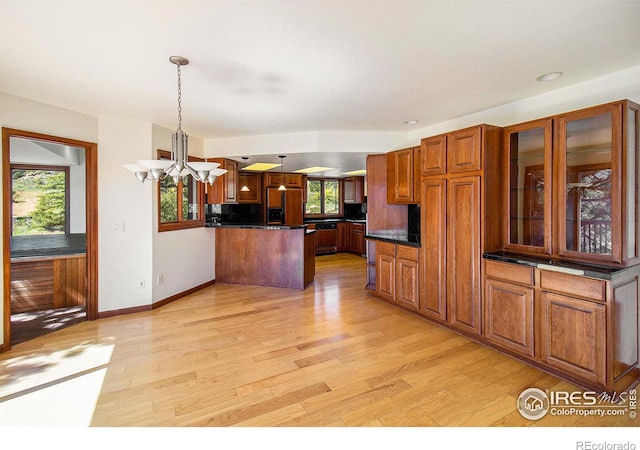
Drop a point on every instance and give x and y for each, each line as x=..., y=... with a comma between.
x=343, y=241
x=225, y=188
x=253, y=183
x=573, y=336
x=433, y=156
x=400, y=168
x=463, y=258
x=527, y=187
x=386, y=276
x=508, y=313
x=407, y=276
x=589, y=184
x=357, y=238
x=294, y=180
x=353, y=188
x=464, y=150
x=433, y=300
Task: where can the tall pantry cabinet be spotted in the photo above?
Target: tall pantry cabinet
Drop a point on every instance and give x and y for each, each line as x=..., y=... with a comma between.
x=460, y=215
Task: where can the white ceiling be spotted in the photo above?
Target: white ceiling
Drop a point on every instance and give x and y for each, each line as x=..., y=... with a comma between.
x=284, y=66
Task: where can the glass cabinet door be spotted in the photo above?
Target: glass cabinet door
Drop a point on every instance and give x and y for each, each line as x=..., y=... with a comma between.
x=528, y=187
x=589, y=170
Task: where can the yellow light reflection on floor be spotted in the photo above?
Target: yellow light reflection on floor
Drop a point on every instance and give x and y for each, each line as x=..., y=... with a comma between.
x=53, y=388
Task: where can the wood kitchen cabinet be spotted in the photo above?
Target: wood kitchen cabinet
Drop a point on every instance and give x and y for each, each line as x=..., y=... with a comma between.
x=343, y=238
x=396, y=273
x=386, y=271
x=353, y=188
x=462, y=179
x=407, y=276
x=253, y=181
x=403, y=176
x=566, y=320
x=573, y=329
x=509, y=307
x=225, y=188
x=570, y=185
x=289, y=180
x=356, y=238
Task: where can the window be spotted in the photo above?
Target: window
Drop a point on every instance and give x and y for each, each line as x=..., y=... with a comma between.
x=40, y=201
x=323, y=197
x=180, y=205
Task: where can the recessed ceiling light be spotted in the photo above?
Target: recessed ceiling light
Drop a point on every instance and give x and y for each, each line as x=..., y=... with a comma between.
x=549, y=76
x=261, y=167
x=355, y=172
x=313, y=169
x=411, y=122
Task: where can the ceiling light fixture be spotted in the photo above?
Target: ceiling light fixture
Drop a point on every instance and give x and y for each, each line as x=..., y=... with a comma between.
x=549, y=76
x=282, y=187
x=411, y=122
x=178, y=166
x=244, y=187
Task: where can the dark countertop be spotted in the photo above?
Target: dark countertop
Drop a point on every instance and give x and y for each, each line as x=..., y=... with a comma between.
x=257, y=227
x=341, y=219
x=48, y=245
x=587, y=270
x=395, y=237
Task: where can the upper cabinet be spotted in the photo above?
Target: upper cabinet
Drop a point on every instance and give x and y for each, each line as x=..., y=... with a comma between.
x=225, y=188
x=403, y=176
x=456, y=152
x=250, y=187
x=527, y=168
x=289, y=180
x=353, y=188
x=597, y=184
x=571, y=185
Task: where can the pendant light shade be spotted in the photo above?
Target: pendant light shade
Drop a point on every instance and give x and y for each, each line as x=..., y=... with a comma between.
x=244, y=187
x=178, y=166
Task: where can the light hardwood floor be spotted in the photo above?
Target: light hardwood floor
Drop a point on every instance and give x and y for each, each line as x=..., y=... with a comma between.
x=330, y=355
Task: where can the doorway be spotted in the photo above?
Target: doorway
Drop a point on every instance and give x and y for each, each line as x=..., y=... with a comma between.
x=50, y=233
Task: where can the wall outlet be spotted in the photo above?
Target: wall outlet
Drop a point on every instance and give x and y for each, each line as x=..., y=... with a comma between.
x=160, y=279
x=118, y=226
x=141, y=283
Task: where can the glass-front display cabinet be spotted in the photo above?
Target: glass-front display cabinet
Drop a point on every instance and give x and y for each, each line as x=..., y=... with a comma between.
x=597, y=187
x=528, y=185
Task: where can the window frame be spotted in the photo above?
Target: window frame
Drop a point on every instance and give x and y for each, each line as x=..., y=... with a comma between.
x=323, y=214
x=48, y=167
x=181, y=223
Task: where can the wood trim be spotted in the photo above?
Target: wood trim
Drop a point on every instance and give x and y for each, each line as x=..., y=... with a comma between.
x=155, y=305
x=179, y=295
x=91, y=168
x=119, y=312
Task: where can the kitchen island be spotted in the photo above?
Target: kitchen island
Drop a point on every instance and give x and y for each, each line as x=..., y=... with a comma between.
x=277, y=256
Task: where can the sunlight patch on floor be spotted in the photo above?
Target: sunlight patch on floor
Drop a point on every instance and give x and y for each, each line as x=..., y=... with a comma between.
x=53, y=388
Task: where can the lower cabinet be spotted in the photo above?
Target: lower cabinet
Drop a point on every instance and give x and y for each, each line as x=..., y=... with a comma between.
x=508, y=316
x=573, y=336
x=571, y=324
x=397, y=274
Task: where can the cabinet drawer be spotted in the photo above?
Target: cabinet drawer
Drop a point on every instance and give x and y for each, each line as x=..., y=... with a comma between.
x=573, y=285
x=386, y=248
x=408, y=253
x=512, y=273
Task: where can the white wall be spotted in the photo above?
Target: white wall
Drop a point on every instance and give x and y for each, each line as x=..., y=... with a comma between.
x=184, y=258
x=616, y=86
x=125, y=255
x=23, y=114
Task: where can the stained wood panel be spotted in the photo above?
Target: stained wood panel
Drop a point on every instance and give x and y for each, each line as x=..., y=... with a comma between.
x=48, y=283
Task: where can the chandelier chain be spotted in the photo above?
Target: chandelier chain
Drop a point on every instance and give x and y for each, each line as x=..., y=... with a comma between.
x=179, y=99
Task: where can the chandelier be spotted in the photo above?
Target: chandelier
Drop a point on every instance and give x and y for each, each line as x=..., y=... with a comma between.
x=178, y=166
